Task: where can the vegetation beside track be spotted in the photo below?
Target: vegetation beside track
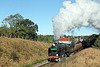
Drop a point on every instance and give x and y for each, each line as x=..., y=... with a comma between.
x=30, y=65
x=15, y=52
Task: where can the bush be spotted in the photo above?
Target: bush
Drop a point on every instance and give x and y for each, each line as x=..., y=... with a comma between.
x=14, y=56
x=1, y=50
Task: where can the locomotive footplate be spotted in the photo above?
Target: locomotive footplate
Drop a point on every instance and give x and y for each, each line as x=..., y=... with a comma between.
x=53, y=58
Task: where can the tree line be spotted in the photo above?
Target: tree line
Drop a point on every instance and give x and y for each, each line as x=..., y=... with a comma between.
x=46, y=38
x=94, y=40
x=15, y=26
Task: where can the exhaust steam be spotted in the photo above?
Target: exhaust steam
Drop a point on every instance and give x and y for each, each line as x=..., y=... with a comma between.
x=80, y=13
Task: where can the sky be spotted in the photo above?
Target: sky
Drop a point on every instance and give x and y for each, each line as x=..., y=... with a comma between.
x=40, y=12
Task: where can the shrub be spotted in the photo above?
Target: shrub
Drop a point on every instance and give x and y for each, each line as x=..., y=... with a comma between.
x=14, y=56
x=1, y=50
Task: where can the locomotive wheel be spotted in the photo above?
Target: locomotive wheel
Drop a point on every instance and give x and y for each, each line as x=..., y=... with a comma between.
x=75, y=52
x=49, y=60
x=58, y=60
x=61, y=56
x=65, y=55
x=68, y=54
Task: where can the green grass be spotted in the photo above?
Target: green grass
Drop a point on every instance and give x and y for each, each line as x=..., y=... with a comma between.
x=46, y=38
x=95, y=47
x=30, y=65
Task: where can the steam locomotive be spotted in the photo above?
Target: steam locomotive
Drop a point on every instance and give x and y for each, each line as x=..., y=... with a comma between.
x=62, y=49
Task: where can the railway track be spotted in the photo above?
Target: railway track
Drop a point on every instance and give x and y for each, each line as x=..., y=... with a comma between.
x=46, y=64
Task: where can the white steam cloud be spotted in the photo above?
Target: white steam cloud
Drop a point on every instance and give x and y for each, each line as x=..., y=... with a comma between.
x=81, y=13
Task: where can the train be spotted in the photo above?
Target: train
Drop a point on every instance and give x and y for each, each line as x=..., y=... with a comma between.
x=64, y=48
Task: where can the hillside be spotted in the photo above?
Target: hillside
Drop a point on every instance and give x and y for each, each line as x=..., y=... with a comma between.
x=89, y=57
x=16, y=52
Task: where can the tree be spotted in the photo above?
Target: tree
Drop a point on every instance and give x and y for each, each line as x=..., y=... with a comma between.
x=1, y=29
x=97, y=42
x=4, y=28
x=92, y=39
x=27, y=29
x=11, y=21
x=19, y=27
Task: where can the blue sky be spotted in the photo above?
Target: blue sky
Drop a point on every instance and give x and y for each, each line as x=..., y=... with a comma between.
x=39, y=11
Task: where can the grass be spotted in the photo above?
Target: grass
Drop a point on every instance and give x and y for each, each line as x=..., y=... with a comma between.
x=15, y=52
x=29, y=65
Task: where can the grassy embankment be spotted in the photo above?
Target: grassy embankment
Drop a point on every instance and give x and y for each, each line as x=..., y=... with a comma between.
x=16, y=52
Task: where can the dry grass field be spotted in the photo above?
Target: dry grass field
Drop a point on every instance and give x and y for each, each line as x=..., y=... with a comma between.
x=15, y=52
x=89, y=57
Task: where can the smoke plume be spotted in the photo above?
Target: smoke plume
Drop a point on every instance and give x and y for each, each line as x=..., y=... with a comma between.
x=80, y=13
